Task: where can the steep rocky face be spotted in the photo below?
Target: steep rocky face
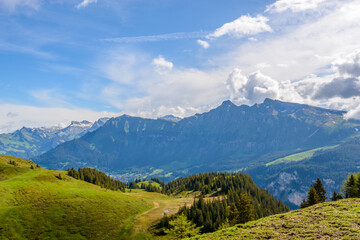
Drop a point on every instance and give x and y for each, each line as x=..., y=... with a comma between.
x=290, y=181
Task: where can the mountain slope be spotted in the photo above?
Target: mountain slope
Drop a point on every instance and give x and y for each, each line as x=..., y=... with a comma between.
x=29, y=142
x=290, y=180
x=226, y=138
x=330, y=220
x=42, y=204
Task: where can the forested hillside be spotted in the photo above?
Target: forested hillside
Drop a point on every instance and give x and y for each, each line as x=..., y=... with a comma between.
x=224, y=199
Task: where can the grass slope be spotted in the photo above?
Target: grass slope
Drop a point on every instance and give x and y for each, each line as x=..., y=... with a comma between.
x=146, y=183
x=330, y=220
x=299, y=156
x=38, y=204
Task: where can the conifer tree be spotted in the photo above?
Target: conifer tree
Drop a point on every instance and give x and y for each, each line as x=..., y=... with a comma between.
x=303, y=204
x=358, y=185
x=181, y=227
x=313, y=197
x=336, y=196
x=351, y=188
x=320, y=190
x=245, y=209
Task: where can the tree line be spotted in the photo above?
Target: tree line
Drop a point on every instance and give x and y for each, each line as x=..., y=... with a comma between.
x=317, y=192
x=96, y=177
x=235, y=199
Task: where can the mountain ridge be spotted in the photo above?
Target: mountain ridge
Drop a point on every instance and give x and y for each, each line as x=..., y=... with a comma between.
x=311, y=123
x=29, y=142
x=227, y=138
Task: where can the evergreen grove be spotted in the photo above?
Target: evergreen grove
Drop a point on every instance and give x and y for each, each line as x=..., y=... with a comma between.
x=235, y=199
x=317, y=192
x=96, y=177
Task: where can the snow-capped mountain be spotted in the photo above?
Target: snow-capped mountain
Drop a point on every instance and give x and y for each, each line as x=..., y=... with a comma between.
x=170, y=118
x=29, y=142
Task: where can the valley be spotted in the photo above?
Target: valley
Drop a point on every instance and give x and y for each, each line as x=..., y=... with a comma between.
x=277, y=143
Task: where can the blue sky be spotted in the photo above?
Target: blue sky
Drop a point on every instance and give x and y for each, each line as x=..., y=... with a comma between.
x=73, y=60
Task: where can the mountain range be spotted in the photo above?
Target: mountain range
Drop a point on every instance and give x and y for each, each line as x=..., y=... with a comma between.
x=282, y=145
x=30, y=142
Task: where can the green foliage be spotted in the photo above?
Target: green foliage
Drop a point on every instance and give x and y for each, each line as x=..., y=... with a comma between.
x=96, y=177
x=12, y=162
x=36, y=204
x=336, y=196
x=181, y=228
x=329, y=220
x=320, y=190
x=236, y=199
x=315, y=195
x=351, y=186
x=245, y=209
x=149, y=186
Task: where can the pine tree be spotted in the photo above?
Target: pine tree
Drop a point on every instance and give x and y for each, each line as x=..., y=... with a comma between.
x=358, y=185
x=303, y=204
x=233, y=212
x=181, y=227
x=336, y=196
x=313, y=197
x=351, y=190
x=320, y=190
x=245, y=209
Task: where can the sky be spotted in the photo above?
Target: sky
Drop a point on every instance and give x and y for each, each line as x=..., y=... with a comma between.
x=64, y=60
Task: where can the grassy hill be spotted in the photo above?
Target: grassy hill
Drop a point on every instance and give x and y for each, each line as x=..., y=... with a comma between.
x=44, y=204
x=330, y=220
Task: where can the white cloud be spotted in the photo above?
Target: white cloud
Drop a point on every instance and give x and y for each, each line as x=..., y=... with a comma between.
x=12, y=5
x=181, y=93
x=252, y=89
x=203, y=44
x=354, y=113
x=306, y=48
x=124, y=66
x=286, y=60
x=49, y=96
x=162, y=66
x=85, y=3
x=243, y=26
x=13, y=117
x=293, y=5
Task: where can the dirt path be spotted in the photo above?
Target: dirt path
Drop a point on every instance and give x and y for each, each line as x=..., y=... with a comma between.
x=148, y=212
x=161, y=207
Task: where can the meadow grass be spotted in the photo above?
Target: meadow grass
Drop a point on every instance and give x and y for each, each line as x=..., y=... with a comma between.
x=44, y=204
x=330, y=220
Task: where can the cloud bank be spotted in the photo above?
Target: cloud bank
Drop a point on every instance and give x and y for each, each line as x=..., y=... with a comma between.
x=293, y=5
x=13, y=117
x=243, y=26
